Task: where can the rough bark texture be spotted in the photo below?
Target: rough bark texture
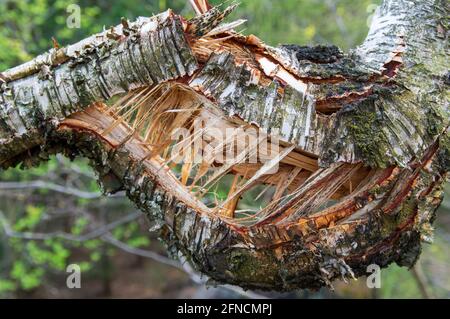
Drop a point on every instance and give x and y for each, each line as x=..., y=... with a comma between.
x=384, y=105
x=149, y=51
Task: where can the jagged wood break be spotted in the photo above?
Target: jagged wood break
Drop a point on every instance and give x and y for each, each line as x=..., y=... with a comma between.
x=357, y=144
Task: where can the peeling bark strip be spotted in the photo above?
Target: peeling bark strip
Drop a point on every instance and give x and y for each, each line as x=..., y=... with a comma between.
x=365, y=140
x=234, y=88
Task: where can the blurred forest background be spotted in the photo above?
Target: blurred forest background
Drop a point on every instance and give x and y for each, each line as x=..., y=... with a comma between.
x=54, y=215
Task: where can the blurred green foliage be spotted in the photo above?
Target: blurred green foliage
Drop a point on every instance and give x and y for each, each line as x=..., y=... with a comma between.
x=307, y=22
x=26, y=29
x=25, y=264
x=27, y=26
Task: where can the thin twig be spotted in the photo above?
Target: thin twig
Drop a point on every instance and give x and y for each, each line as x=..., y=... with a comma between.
x=141, y=252
x=63, y=235
x=39, y=184
x=421, y=281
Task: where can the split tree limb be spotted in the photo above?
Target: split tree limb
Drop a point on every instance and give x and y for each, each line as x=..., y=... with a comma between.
x=375, y=120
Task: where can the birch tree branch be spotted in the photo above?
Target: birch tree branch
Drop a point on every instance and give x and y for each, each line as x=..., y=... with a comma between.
x=365, y=136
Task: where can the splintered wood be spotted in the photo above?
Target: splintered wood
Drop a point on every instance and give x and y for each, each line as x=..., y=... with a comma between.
x=242, y=129
x=222, y=160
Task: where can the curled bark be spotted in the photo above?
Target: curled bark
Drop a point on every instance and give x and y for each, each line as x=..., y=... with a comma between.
x=367, y=129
